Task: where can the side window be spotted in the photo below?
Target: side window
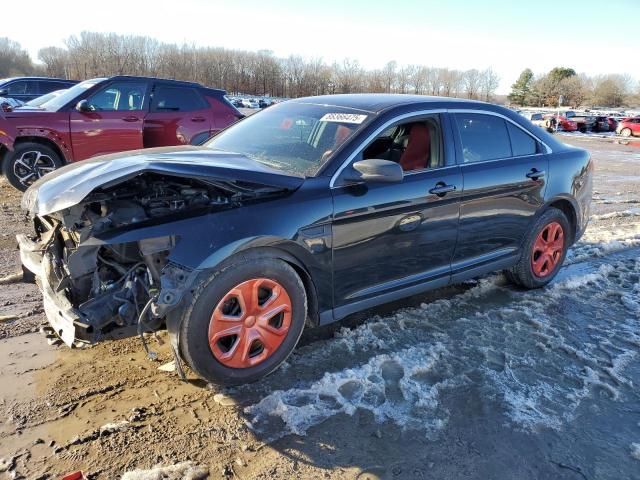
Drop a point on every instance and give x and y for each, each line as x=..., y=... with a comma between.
x=483, y=137
x=415, y=145
x=119, y=96
x=46, y=87
x=176, y=99
x=17, y=88
x=521, y=142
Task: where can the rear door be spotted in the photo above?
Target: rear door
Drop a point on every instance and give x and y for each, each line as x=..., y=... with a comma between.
x=503, y=169
x=115, y=121
x=178, y=114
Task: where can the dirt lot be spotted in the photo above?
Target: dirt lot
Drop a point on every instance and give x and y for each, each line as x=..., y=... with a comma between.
x=479, y=380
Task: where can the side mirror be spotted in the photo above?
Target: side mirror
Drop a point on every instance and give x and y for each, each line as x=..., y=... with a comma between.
x=378, y=171
x=83, y=106
x=4, y=92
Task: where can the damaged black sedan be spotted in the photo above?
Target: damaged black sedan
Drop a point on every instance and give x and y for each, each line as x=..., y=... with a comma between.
x=299, y=215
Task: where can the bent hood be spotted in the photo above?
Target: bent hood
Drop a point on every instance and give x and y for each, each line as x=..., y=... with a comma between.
x=70, y=184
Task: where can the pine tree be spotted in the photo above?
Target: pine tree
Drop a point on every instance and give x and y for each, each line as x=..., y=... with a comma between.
x=521, y=90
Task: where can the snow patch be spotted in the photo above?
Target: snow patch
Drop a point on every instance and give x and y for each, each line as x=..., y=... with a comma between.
x=490, y=331
x=635, y=450
x=394, y=387
x=180, y=471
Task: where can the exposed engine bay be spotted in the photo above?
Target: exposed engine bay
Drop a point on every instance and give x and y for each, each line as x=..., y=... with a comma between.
x=112, y=288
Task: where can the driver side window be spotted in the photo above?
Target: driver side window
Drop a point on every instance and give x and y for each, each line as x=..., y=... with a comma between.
x=119, y=96
x=415, y=144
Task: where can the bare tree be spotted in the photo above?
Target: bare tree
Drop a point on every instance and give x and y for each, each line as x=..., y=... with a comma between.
x=472, y=81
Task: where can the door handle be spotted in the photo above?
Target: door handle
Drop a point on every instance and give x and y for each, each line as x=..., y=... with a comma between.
x=535, y=174
x=131, y=118
x=198, y=119
x=441, y=189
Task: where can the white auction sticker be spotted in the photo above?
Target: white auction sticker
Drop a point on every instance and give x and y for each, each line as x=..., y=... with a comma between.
x=343, y=118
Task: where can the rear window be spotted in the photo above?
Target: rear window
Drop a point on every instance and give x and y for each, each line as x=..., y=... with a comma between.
x=521, y=142
x=483, y=137
x=176, y=99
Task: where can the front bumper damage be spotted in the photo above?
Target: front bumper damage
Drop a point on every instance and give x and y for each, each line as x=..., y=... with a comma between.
x=76, y=327
x=65, y=320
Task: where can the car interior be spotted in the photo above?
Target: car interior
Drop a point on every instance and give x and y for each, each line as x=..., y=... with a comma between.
x=414, y=145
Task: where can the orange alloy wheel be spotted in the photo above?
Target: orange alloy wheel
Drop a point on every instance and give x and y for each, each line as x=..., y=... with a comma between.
x=250, y=323
x=547, y=249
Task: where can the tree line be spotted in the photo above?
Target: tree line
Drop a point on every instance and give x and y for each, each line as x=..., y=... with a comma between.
x=92, y=54
x=562, y=86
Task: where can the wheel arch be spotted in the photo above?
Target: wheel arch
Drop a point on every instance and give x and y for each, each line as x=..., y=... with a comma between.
x=43, y=141
x=569, y=208
x=282, y=252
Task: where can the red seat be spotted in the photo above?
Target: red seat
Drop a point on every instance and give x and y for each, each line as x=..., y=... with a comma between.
x=416, y=155
x=341, y=135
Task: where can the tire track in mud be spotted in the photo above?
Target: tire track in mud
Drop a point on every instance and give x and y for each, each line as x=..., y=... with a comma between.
x=538, y=354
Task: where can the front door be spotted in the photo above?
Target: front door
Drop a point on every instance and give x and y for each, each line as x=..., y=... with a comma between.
x=114, y=122
x=396, y=238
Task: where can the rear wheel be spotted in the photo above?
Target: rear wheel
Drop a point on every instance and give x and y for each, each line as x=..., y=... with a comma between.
x=244, y=322
x=28, y=162
x=625, y=132
x=543, y=252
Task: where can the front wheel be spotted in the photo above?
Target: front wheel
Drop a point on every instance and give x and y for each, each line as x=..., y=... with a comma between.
x=543, y=252
x=625, y=132
x=28, y=162
x=244, y=322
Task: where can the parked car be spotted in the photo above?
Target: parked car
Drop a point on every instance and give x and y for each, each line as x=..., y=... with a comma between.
x=538, y=119
x=108, y=115
x=36, y=102
x=600, y=124
x=629, y=127
x=28, y=88
x=613, y=124
x=7, y=135
x=310, y=211
x=262, y=103
x=8, y=104
x=563, y=123
x=584, y=121
x=250, y=103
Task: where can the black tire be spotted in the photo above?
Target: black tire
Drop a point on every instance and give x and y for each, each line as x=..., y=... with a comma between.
x=522, y=273
x=28, y=162
x=194, y=341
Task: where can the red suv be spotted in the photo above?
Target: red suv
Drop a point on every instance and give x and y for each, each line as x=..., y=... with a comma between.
x=108, y=115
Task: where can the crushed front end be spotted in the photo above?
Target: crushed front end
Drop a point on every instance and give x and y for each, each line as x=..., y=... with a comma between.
x=94, y=289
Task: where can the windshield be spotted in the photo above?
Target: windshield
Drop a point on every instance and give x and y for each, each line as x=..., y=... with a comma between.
x=36, y=102
x=293, y=137
x=61, y=100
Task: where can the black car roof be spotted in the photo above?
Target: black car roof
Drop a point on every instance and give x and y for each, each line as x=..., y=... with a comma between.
x=53, y=79
x=169, y=80
x=378, y=102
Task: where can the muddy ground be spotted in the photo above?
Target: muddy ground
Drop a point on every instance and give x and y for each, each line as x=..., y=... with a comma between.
x=478, y=380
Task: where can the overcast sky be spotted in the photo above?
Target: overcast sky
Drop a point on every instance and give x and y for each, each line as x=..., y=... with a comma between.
x=591, y=36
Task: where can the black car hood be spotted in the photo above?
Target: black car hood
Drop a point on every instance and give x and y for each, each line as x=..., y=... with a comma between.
x=69, y=185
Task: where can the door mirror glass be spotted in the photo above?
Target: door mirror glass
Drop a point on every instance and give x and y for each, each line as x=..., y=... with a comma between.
x=83, y=106
x=377, y=171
